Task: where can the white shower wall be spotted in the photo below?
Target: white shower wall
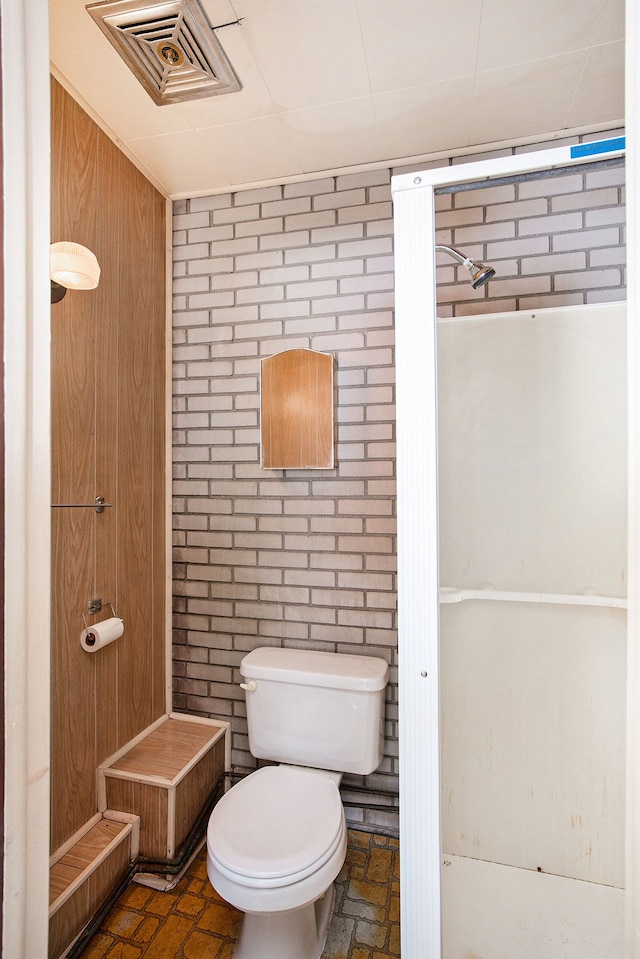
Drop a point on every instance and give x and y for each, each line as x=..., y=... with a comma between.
x=532, y=494
x=532, y=418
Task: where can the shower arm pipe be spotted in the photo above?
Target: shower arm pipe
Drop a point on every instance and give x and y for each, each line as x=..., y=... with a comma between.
x=456, y=254
x=452, y=594
x=479, y=272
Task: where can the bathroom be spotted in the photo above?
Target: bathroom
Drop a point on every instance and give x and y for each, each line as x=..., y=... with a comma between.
x=255, y=532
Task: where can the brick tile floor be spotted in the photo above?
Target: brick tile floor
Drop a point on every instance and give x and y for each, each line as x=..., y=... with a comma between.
x=193, y=922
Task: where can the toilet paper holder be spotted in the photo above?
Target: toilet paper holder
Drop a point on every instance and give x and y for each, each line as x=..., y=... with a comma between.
x=95, y=606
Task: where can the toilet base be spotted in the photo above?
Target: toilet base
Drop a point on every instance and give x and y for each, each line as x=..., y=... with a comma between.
x=299, y=934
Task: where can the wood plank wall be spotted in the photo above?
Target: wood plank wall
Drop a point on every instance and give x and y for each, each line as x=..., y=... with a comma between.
x=108, y=438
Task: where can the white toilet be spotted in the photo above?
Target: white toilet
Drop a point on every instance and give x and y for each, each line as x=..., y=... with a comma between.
x=277, y=840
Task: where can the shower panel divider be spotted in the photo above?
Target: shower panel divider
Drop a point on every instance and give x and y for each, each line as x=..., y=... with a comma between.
x=418, y=575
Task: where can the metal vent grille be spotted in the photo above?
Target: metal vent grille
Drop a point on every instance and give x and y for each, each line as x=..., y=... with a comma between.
x=170, y=47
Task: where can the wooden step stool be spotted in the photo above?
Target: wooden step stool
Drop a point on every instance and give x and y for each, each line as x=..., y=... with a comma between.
x=165, y=776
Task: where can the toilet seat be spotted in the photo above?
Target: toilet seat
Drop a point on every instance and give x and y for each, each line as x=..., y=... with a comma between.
x=276, y=827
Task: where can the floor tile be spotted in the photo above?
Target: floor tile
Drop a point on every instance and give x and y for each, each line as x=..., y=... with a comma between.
x=192, y=922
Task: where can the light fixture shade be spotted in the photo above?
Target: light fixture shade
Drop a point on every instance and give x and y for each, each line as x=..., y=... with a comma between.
x=73, y=266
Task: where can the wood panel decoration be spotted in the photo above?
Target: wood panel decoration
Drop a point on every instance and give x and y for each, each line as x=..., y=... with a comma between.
x=109, y=396
x=297, y=410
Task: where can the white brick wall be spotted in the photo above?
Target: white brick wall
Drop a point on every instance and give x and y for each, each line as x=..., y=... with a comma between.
x=307, y=558
x=554, y=240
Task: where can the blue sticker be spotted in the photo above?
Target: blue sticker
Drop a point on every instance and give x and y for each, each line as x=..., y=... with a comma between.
x=598, y=146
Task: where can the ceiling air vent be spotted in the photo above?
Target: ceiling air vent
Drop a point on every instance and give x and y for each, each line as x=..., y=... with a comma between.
x=170, y=47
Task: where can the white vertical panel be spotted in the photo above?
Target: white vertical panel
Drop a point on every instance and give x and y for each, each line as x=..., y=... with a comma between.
x=418, y=606
x=533, y=453
x=25, y=70
x=533, y=715
x=632, y=912
x=498, y=912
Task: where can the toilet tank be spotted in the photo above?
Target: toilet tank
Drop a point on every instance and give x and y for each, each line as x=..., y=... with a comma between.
x=308, y=708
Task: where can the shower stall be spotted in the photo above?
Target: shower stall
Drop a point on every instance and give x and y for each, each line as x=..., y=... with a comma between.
x=512, y=549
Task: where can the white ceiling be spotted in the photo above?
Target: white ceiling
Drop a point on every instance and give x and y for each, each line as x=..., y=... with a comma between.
x=335, y=84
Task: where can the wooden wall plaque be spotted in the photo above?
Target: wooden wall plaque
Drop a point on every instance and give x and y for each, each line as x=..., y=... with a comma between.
x=297, y=410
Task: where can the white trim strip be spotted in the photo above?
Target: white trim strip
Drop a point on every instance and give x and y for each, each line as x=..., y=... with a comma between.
x=418, y=607
x=632, y=843
x=452, y=594
x=27, y=547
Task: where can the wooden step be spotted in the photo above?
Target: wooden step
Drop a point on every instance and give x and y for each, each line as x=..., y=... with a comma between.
x=84, y=871
x=165, y=776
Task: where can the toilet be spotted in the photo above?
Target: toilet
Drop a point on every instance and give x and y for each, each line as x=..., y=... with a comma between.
x=277, y=840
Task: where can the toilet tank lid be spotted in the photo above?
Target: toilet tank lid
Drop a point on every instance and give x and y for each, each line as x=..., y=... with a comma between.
x=308, y=667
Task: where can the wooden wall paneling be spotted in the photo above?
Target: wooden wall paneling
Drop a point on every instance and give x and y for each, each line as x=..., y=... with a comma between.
x=135, y=453
x=74, y=157
x=73, y=165
x=72, y=695
x=160, y=477
x=106, y=421
x=109, y=390
x=73, y=478
x=72, y=405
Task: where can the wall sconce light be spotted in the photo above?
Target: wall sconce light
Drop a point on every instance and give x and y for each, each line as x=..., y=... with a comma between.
x=72, y=267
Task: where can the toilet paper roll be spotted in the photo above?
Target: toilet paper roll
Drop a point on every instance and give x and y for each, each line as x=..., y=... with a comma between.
x=95, y=637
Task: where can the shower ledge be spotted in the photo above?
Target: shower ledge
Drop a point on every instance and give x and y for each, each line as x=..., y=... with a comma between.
x=455, y=594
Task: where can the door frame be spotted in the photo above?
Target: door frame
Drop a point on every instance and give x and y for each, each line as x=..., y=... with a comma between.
x=26, y=146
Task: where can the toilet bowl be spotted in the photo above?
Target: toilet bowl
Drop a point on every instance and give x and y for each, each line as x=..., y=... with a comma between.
x=275, y=843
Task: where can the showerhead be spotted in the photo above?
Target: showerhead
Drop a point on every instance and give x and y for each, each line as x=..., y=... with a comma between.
x=480, y=273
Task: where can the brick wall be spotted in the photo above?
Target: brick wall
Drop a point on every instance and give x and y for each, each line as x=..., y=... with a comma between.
x=307, y=558
x=556, y=240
